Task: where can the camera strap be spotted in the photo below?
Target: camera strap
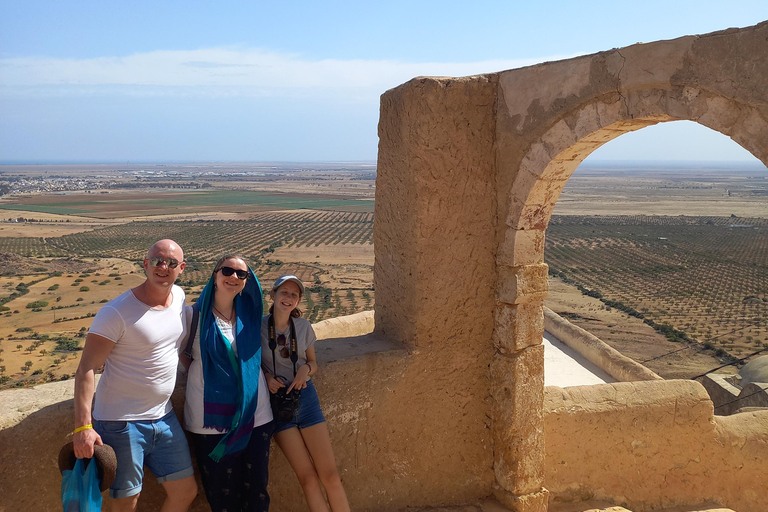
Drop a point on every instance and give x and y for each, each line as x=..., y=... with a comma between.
x=273, y=344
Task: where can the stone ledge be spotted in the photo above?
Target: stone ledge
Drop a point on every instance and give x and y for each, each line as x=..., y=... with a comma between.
x=613, y=362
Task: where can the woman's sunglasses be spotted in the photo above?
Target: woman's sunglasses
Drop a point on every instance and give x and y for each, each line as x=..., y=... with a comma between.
x=228, y=271
x=169, y=262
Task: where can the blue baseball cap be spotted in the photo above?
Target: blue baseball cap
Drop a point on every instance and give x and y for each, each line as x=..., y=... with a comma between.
x=284, y=279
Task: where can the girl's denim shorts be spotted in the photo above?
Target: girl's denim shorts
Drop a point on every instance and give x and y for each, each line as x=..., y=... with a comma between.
x=309, y=412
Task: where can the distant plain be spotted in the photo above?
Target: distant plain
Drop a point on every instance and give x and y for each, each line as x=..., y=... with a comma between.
x=316, y=220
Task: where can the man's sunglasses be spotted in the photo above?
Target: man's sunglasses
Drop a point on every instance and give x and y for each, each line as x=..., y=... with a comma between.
x=228, y=271
x=169, y=262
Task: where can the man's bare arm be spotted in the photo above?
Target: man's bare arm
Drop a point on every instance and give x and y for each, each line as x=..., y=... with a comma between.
x=97, y=349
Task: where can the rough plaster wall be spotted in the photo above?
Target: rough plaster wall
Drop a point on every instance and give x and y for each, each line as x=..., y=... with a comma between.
x=434, y=275
x=653, y=445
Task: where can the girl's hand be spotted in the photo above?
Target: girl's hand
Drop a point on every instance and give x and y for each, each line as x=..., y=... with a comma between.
x=300, y=381
x=273, y=384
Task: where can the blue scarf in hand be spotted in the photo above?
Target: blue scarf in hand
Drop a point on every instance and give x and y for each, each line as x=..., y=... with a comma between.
x=231, y=381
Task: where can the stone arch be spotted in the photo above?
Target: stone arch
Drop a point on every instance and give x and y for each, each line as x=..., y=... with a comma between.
x=579, y=122
x=553, y=158
x=468, y=172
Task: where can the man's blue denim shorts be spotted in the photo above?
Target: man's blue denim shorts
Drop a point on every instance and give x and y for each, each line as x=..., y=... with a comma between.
x=158, y=444
x=309, y=412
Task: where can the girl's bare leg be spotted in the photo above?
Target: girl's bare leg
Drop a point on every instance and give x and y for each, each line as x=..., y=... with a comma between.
x=318, y=442
x=291, y=443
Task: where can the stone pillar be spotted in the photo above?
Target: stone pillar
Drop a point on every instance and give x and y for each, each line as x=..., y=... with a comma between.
x=435, y=218
x=435, y=240
x=517, y=372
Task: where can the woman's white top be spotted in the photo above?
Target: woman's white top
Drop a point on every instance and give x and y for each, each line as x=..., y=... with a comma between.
x=193, y=408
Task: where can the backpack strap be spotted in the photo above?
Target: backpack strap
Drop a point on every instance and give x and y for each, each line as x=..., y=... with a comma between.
x=191, y=335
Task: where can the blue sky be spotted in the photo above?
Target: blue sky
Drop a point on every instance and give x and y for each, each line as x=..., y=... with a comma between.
x=140, y=81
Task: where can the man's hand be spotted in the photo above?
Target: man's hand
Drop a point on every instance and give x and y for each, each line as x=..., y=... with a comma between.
x=84, y=441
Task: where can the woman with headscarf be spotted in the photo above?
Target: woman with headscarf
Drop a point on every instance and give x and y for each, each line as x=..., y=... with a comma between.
x=227, y=408
x=288, y=342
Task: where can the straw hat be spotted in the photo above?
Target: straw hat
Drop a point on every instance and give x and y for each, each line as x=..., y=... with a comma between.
x=105, y=460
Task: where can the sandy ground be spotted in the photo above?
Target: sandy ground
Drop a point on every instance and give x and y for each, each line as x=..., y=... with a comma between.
x=629, y=335
x=45, y=229
x=51, y=225
x=76, y=304
x=341, y=254
x=596, y=205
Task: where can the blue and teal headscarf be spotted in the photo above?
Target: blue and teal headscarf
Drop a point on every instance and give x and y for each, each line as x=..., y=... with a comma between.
x=231, y=381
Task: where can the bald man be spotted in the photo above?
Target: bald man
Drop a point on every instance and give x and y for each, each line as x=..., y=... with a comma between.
x=136, y=337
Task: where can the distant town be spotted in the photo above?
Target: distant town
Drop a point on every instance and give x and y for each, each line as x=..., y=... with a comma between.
x=37, y=179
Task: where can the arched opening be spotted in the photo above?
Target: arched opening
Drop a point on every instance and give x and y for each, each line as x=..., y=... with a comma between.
x=540, y=176
x=662, y=259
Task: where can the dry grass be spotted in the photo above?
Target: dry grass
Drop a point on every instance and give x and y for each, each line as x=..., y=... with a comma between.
x=74, y=311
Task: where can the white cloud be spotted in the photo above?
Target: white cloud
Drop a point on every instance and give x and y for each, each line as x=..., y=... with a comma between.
x=225, y=71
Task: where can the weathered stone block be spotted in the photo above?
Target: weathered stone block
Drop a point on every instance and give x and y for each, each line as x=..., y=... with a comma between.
x=517, y=389
x=531, y=502
x=585, y=122
x=532, y=189
x=600, y=137
x=561, y=169
x=611, y=110
x=521, y=247
x=686, y=103
x=528, y=215
x=518, y=326
x=720, y=115
x=536, y=159
x=558, y=138
x=525, y=283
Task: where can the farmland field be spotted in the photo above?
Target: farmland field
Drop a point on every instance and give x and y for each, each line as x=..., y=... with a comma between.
x=52, y=286
x=677, y=291
x=120, y=205
x=706, y=277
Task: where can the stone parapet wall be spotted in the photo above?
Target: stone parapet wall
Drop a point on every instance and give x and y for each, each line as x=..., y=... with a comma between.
x=721, y=392
x=650, y=445
x=610, y=360
x=345, y=326
x=398, y=440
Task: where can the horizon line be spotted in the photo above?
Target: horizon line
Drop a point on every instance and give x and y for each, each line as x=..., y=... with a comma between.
x=601, y=162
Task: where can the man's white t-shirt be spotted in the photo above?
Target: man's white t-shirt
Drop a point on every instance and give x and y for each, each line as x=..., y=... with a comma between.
x=140, y=372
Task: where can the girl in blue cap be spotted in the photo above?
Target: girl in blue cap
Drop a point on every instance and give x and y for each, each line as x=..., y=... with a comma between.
x=288, y=345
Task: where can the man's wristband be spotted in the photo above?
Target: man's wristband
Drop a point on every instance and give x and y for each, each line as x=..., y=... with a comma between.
x=84, y=427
